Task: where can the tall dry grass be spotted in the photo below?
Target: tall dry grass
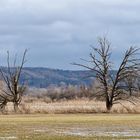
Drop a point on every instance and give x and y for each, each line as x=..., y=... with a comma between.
x=34, y=106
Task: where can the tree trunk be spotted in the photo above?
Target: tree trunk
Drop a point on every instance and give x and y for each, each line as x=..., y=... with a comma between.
x=16, y=108
x=108, y=104
x=130, y=91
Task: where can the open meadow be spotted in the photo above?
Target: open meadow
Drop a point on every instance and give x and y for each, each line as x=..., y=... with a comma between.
x=46, y=106
x=69, y=70
x=70, y=127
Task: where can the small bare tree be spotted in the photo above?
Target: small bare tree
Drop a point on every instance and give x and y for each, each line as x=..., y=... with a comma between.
x=101, y=65
x=131, y=82
x=11, y=77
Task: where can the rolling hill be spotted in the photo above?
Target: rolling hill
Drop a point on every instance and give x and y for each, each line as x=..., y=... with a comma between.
x=44, y=77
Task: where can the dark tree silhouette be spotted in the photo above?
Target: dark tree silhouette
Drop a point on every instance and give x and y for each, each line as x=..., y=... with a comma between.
x=111, y=86
x=11, y=77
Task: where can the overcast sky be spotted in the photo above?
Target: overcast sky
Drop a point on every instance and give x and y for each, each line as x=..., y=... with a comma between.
x=58, y=32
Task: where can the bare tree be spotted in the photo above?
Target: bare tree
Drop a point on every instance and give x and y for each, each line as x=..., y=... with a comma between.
x=11, y=77
x=100, y=64
x=131, y=82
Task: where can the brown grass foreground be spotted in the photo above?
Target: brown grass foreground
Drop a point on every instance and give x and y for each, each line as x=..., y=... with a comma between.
x=44, y=106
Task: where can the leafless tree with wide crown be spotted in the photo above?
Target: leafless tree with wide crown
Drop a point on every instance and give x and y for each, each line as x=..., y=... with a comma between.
x=111, y=85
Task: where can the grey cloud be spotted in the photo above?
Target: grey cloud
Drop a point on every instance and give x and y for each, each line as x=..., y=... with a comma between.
x=59, y=32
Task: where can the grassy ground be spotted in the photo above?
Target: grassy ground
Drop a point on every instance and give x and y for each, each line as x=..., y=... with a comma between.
x=69, y=127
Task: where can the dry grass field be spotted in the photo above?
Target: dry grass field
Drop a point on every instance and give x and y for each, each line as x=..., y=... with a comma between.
x=70, y=127
x=79, y=119
x=45, y=106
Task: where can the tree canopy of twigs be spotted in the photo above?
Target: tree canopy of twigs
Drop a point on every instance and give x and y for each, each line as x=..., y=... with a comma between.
x=14, y=91
x=101, y=65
